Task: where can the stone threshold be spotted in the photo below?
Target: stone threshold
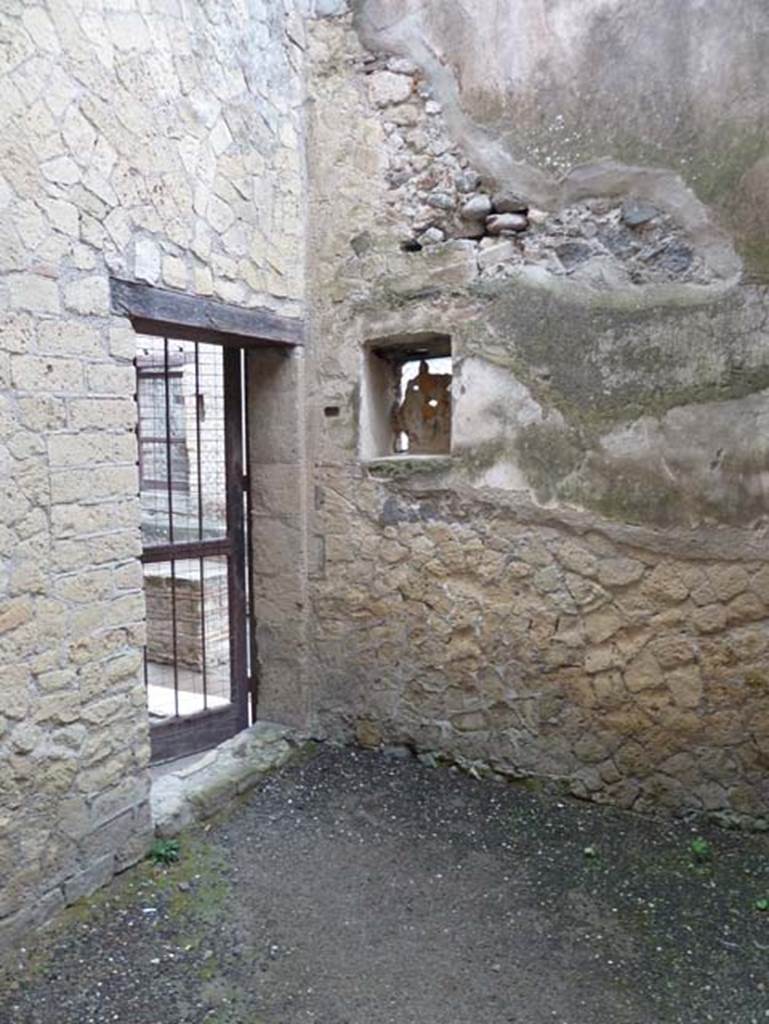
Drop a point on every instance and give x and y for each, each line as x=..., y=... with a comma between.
x=193, y=789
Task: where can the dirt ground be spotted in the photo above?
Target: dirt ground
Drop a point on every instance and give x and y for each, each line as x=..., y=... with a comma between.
x=369, y=889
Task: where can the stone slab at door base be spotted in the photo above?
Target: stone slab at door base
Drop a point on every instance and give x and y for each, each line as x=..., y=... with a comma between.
x=202, y=789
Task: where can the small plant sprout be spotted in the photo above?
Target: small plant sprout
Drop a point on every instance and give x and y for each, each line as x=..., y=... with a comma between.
x=762, y=904
x=701, y=850
x=590, y=852
x=164, y=851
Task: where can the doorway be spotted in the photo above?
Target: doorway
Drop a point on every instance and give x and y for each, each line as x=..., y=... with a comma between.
x=192, y=436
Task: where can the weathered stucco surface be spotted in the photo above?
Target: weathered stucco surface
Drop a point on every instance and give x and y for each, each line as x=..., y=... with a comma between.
x=578, y=592
x=545, y=89
x=160, y=144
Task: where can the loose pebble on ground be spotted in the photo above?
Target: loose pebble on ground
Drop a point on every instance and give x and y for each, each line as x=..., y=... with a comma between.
x=363, y=888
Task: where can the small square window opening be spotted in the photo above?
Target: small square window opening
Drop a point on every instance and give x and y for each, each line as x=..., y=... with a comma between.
x=406, y=396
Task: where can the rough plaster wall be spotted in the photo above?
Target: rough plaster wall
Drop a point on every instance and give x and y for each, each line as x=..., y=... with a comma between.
x=545, y=88
x=156, y=141
x=579, y=592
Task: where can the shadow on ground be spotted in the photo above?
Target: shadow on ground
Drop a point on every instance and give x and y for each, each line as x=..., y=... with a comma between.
x=362, y=889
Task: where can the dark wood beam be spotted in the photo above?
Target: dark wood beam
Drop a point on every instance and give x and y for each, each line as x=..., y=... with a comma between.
x=178, y=315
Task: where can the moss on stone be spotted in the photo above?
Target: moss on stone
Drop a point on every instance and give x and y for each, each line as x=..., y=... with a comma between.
x=547, y=453
x=628, y=498
x=757, y=679
x=479, y=458
x=602, y=367
x=755, y=253
x=400, y=466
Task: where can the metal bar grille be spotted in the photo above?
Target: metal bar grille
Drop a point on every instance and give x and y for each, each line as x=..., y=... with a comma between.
x=190, y=430
x=170, y=491
x=233, y=428
x=253, y=653
x=198, y=437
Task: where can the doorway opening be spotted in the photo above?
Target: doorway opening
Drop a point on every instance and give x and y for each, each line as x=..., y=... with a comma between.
x=202, y=671
x=191, y=428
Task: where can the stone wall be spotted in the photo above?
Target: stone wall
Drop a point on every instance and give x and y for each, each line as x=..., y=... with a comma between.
x=481, y=631
x=158, y=142
x=579, y=591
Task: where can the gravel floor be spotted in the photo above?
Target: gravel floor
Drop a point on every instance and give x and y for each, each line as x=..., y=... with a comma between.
x=365, y=889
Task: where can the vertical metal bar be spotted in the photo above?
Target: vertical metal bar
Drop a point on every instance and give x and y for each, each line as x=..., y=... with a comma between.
x=253, y=652
x=138, y=399
x=233, y=457
x=200, y=527
x=169, y=479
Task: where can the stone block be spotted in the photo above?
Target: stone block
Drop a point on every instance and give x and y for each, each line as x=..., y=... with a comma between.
x=387, y=88
x=88, y=296
x=452, y=264
x=746, y=607
x=602, y=624
x=63, y=216
x=577, y=559
x=73, y=817
x=128, y=31
x=42, y=413
x=685, y=685
x=709, y=618
x=111, y=379
x=34, y=292
x=602, y=658
x=89, y=448
x=276, y=543
x=329, y=8
x=643, y=673
x=86, y=882
x=73, y=485
x=175, y=272
x=61, y=170
x=130, y=793
x=121, y=341
x=14, y=613
x=15, y=930
x=620, y=572
x=206, y=786
x=147, y=260
x=672, y=651
x=728, y=580
x=665, y=584
x=62, y=707
x=103, y=413
x=19, y=332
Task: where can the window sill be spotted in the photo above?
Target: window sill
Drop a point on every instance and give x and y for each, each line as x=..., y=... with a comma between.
x=406, y=465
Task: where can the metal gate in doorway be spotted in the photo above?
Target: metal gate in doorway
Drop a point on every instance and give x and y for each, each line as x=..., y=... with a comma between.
x=192, y=437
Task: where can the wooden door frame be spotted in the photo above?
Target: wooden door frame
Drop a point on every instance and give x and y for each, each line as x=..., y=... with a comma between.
x=158, y=312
